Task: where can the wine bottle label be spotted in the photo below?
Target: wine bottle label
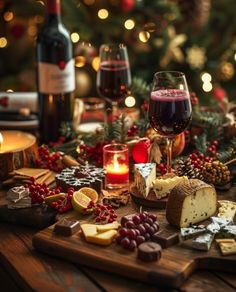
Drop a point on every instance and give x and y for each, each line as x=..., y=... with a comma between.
x=56, y=79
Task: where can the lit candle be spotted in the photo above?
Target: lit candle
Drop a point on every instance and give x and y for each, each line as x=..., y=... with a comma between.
x=1, y=140
x=17, y=150
x=116, y=164
x=117, y=173
x=14, y=141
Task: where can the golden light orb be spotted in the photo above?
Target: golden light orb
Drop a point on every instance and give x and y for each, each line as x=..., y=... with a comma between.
x=96, y=63
x=144, y=36
x=130, y=101
x=75, y=37
x=129, y=24
x=207, y=86
x=3, y=42
x=8, y=16
x=103, y=13
x=206, y=77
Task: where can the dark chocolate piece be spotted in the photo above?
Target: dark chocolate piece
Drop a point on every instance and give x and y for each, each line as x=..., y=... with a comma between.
x=165, y=238
x=149, y=251
x=67, y=227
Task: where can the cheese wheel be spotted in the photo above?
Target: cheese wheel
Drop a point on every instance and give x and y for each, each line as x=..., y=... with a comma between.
x=191, y=202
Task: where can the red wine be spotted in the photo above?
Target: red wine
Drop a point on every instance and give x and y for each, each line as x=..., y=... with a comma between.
x=169, y=111
x=56, y=80
x=114, y=79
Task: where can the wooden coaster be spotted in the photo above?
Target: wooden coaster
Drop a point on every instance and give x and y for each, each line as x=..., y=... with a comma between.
x=150, y=202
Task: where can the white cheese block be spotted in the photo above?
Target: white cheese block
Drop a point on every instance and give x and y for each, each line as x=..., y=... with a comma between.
x=163, y=186
x=190, y=203
x=144, y=175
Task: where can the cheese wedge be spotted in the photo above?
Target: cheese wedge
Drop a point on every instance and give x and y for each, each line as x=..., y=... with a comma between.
x=104, y=238
x=89, y=229
x=109, y=226
x=100, y=234
x=144, y=174
x=163, y=186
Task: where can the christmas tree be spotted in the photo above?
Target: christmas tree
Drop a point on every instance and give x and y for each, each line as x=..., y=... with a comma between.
x=196, y=37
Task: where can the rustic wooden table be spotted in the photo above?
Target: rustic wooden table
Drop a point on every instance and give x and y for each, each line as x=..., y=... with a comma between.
x=24, y=269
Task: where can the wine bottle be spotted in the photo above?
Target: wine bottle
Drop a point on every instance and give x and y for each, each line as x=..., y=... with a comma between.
x=56, y=75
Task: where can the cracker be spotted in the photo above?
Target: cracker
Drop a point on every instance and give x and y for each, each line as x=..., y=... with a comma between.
x=50, y=179
x=43, y=178
x=31, y=172
x=228, y=248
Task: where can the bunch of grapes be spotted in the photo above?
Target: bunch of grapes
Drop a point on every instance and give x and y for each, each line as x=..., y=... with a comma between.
x=136, y=229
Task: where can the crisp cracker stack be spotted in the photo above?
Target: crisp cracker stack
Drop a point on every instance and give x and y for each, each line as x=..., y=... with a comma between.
x=24, y=175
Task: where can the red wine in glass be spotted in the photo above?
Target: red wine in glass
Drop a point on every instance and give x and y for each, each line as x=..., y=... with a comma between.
x=114, y=79
x=169, y=107
x=169, y=111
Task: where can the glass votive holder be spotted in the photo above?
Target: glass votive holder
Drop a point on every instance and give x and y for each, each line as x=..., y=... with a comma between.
x=116, y=165
x=90, y=114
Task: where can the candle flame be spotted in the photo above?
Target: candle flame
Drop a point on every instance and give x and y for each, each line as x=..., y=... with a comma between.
x=116, y=163
x=1, y=140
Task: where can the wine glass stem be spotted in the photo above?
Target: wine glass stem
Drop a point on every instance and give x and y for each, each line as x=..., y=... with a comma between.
x=169, y=142
x=114, y=110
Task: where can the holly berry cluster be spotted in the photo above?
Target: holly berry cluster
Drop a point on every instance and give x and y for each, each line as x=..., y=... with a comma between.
x=162, y=168
x=93, y=152
x=198, y=159
x=49, y=160
x=64, y=203
x=133, y=131
x=194, y=99
x=40, y=192
x=101, y=212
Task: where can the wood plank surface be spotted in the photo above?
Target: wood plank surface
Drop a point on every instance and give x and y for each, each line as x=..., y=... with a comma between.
x=35, y=271
x=16, y=245
x=176, y=265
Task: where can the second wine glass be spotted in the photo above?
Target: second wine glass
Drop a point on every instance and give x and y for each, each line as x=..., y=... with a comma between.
x=170, y=108
x=113, y=77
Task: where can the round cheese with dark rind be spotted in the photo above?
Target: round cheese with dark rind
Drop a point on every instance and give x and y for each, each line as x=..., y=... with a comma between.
x=149, y=251
x=191, y=202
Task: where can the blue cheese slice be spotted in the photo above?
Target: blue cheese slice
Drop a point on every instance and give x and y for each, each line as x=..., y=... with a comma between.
x=203, y=242
x=144, y=175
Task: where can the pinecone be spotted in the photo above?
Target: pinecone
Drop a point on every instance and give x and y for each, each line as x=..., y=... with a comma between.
x=216, y=172
x=195, y=12
x=187, y=168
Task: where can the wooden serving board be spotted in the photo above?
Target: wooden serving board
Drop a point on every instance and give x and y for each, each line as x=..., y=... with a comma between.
x=151, y=200
x=175, y=266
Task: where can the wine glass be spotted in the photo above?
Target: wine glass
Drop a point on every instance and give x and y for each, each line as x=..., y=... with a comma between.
x=113, y=77
x=170, y=108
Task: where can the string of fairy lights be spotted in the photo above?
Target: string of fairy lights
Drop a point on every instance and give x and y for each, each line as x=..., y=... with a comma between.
x=195, y=56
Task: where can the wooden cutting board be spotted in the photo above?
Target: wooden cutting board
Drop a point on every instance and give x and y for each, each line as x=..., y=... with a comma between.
x=175, y=266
